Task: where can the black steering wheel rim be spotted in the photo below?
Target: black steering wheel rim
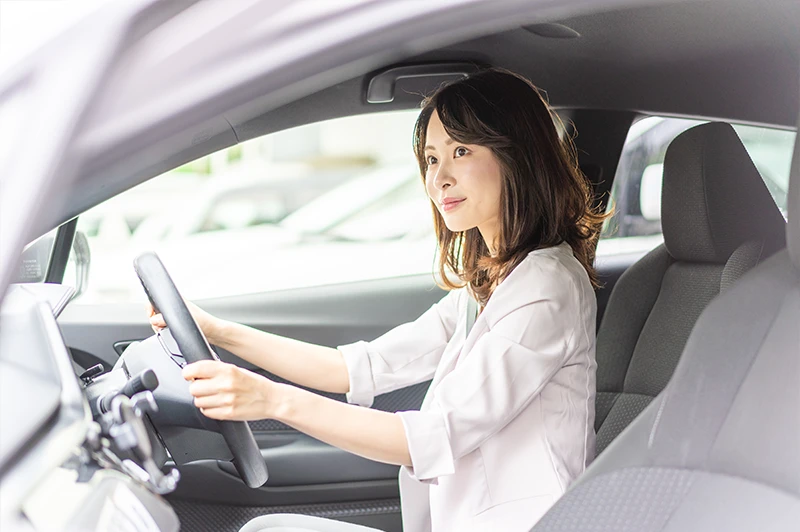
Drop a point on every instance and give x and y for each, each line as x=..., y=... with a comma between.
x=164, y=297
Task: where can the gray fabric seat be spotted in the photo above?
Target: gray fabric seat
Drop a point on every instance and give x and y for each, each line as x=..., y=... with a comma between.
x=719, y=221
x=718, y=449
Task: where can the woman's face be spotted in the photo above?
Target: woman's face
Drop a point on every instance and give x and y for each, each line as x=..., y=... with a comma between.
x=464, y=181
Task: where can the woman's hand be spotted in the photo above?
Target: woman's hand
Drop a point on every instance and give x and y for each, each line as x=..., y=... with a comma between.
x=225, y=391
x=210, y=325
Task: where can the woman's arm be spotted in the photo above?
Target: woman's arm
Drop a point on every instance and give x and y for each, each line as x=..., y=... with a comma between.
x=405, y=355
x=225, y=391
x=313, y=366
x=309, y=365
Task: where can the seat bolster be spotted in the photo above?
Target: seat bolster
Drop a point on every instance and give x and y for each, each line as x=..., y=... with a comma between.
x=629, y=449
x=746, y=257
x=628, y=308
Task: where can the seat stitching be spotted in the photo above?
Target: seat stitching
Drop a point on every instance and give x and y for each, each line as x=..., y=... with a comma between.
x=705, y=196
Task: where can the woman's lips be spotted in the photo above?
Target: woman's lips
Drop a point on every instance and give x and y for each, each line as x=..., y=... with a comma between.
x=449, y=205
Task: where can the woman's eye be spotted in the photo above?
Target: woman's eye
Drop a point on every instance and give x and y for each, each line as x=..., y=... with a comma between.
x=461, y=151
x=430, y=160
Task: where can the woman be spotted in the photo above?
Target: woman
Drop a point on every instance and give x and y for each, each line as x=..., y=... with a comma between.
x=508, y=420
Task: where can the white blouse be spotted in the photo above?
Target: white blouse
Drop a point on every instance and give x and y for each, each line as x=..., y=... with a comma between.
x=508, y=421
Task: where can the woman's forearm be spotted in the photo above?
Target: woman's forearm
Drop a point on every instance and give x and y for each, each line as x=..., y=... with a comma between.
x=226, y=391
x=313, y=366
x=373, y=434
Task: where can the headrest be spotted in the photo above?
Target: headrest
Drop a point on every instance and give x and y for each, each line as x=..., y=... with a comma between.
x=713, y=197
x=793, y=227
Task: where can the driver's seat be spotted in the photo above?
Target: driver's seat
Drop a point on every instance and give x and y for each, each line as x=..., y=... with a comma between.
x=719, y=448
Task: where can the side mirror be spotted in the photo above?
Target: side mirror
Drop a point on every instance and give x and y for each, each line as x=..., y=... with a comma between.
x=80, y=250
x=650, y=192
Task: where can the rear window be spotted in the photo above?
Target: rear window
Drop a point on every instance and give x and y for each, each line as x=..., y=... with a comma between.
x=636, y=193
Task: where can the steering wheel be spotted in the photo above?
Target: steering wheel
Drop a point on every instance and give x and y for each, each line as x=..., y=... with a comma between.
x=164, y=297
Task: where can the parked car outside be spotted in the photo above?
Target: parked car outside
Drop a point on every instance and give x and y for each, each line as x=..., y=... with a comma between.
x=230, y=225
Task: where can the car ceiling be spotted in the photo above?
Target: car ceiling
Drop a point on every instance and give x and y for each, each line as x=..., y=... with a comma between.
x=735, y=61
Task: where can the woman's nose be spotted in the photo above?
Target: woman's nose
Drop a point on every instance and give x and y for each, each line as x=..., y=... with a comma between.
x=443, y=178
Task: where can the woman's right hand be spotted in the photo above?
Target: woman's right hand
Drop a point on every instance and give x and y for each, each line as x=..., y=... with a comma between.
x=210, y=325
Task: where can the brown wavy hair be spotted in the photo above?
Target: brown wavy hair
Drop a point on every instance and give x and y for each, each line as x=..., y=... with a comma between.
x=545, y=198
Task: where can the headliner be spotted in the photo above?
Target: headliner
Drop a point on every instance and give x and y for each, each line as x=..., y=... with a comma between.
x=736, y=63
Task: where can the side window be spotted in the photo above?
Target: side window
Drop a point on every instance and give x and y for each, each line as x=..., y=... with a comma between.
x=243, y=208
x=635, y=226
x=331, y=202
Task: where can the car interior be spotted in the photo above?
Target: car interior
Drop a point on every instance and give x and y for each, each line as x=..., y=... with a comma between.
x=698, y=349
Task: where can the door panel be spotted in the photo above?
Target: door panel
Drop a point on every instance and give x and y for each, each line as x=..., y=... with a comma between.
x=295, y=459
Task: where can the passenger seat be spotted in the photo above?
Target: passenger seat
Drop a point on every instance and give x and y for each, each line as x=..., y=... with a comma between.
x=719, y=221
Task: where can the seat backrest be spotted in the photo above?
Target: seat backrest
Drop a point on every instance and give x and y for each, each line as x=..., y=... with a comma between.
x=718, y=448
x=719, y=220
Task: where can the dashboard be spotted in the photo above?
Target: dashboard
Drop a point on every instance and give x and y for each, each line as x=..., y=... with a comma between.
x=75, y=453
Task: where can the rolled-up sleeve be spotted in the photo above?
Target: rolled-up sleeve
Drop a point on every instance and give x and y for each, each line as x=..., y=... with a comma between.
x=406, y=355
x=499, y=376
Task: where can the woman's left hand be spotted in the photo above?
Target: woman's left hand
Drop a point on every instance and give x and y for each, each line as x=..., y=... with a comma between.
x=228, y=392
